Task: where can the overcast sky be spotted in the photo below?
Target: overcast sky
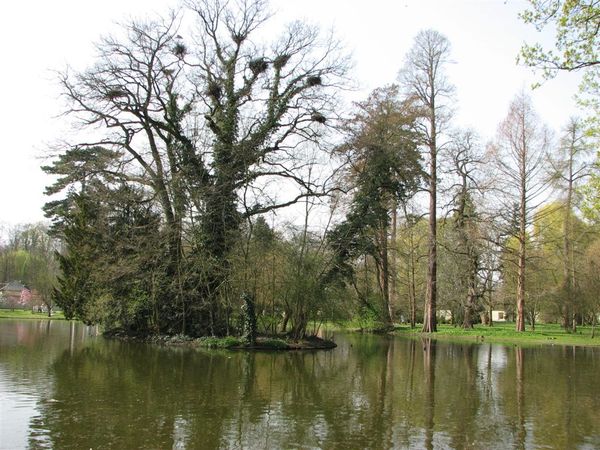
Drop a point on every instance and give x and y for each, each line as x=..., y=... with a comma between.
x=40, y=36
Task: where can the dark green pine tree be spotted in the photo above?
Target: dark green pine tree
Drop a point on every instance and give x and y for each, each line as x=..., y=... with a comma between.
x=76, y=286
x=382, y=148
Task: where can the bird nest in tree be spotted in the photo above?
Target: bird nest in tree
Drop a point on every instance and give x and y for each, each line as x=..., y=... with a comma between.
x=115, y=93
x=258, y=65
x=179, y=50
x=281, y=61
x=238, y=38
x=316, y=116
x=213, y=90
x=314, y=80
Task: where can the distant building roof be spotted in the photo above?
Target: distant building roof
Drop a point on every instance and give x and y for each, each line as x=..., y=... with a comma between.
x=13, y=286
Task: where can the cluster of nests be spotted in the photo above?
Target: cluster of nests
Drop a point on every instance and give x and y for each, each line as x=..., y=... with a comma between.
x=256, y=66
x=114, y=93
x=260, y=65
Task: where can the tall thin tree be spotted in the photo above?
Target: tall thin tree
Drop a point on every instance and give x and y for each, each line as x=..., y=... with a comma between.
x=424, y=79
x=569, y=167
x=519, y=152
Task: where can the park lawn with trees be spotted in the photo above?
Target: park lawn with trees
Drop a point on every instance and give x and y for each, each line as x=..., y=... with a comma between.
x=504, y=333
x=191, y=141
x=28, y=314
x=499, y=333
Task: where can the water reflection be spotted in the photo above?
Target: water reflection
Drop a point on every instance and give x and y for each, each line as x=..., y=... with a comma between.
x=81, y=391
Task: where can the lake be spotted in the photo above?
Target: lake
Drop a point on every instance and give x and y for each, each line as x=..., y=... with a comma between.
x=64, y=387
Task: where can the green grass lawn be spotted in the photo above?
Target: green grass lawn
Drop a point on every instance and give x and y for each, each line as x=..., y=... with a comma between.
x=552, y=334
x=505, y=333
x=27, y=314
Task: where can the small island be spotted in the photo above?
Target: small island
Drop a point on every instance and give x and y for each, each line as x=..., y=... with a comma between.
x=270, y=343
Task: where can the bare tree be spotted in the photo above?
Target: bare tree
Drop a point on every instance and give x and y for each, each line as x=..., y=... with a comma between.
x=490, y=258
x=569, y=166
x=520, y=151
x=423, y=78
x=412, y=250
x=200, y=120
x=466, y=159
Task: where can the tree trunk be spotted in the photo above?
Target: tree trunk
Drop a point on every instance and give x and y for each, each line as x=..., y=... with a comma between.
x=384, y=276
x=423, y=74
x=490, y=287
x=568, y=309
x=286, y=318
x=520, y=325
x=468, y=310
x=219, y=226
x=412, y=295
x=393, y=262
x=472, y=278
x=413, y=300
x=429, y=319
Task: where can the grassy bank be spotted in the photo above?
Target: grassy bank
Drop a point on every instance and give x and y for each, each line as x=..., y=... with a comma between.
x=549, y=334
x=27, y=314
x=552, y=334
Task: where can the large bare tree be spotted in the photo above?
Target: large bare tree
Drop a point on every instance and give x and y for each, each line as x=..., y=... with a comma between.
x=424, y=79
x=519, y=152
x=465, y=163
x=203, y=116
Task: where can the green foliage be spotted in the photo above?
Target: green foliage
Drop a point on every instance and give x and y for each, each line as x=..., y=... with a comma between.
x=368, y=318
x=385, y=170
x=29, y=258
x=111, y=263
x=82, y=168
x=248, y=319
x=576, y=45
x=217, y=342
x=309, y=294
x=173, y=194
x=286, y=276
x=551, y=275
x=75, y=284
x=591, y=195
x=590, y=281
x=589, y=98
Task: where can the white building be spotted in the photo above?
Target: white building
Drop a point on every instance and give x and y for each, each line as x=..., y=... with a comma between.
x=444, y=315
x=498, y=316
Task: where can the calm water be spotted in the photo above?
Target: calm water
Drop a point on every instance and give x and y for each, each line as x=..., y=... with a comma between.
x=62, y=387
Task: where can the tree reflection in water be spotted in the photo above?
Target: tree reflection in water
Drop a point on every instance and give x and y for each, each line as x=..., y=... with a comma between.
x=370, y=392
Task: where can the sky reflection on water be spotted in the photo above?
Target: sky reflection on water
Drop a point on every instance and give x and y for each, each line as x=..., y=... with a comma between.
x=63, y=387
